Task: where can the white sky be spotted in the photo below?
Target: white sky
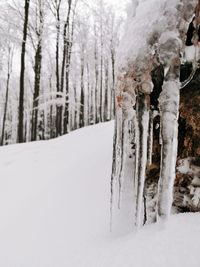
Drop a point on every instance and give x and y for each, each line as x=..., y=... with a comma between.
x=119, y=4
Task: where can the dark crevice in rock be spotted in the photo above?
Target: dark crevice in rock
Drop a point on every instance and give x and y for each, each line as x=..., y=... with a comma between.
x=185, y=192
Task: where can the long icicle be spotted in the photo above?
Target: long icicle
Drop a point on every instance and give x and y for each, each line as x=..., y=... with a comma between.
x=143, y=121
x=150, y=138
x=113, y=175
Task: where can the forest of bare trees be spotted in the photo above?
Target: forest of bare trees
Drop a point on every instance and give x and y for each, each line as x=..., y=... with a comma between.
x=58, y=65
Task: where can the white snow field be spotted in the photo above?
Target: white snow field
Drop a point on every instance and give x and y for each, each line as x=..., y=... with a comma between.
x=54, y=210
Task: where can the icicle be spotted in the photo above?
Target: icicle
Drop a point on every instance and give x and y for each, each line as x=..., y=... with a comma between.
x=150, y=138
x=169, y=105
x=143, y=121
x=195, y=66
x=169, y=111
x=117, y=164
x=136, y=132
x=136, y=65
x=113, y=175
x=122, y=181
x=119, y=149
x=120, y=178
x=186, y=82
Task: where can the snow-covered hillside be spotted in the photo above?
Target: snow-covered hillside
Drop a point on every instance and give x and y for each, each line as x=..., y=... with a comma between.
x=54, y=210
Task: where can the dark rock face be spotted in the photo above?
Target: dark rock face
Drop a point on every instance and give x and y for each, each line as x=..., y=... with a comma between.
x=187, y=183
x=157, y=79
x=189, y=135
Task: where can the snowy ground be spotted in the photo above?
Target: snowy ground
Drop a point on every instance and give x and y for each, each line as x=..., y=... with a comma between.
x=54, y=210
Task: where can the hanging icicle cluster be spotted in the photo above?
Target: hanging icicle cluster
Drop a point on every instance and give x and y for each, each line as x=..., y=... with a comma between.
x=152, y=39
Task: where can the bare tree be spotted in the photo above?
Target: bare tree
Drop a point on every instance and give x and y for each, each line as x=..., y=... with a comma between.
x=69, y=45
x=66, y=44
x=9, y=70
x=21, y=95
x=78, y=82
x=37, y=66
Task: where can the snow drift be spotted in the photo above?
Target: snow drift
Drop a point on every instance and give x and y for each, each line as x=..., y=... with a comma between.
x=54, y=210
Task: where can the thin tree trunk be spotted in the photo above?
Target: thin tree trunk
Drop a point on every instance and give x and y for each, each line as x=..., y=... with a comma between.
x=57, y=63
x=6, y=103
x=89, y=103
x=20, y=136
x=96, y=102
x=64, y=62
x=106, y=95
x=82, y=98
x=101, y=108
x=37, y=68
x=76, y=112
x=112, y=105
x=67, y=70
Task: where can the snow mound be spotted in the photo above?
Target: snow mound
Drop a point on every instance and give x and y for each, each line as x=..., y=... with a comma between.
x=54, y=210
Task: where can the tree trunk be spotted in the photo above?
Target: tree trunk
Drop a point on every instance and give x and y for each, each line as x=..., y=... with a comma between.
x=37, y=70
x=67, y=69
x=57, y=5
x=101, y=108
x=5, y=107
x=22, y=72
x=64, y=62
x=82, y=97
x=96, y=98
x=106, y=93
x=112, y=104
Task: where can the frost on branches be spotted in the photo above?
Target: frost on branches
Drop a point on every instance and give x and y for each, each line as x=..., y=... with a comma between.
x=154, y=37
